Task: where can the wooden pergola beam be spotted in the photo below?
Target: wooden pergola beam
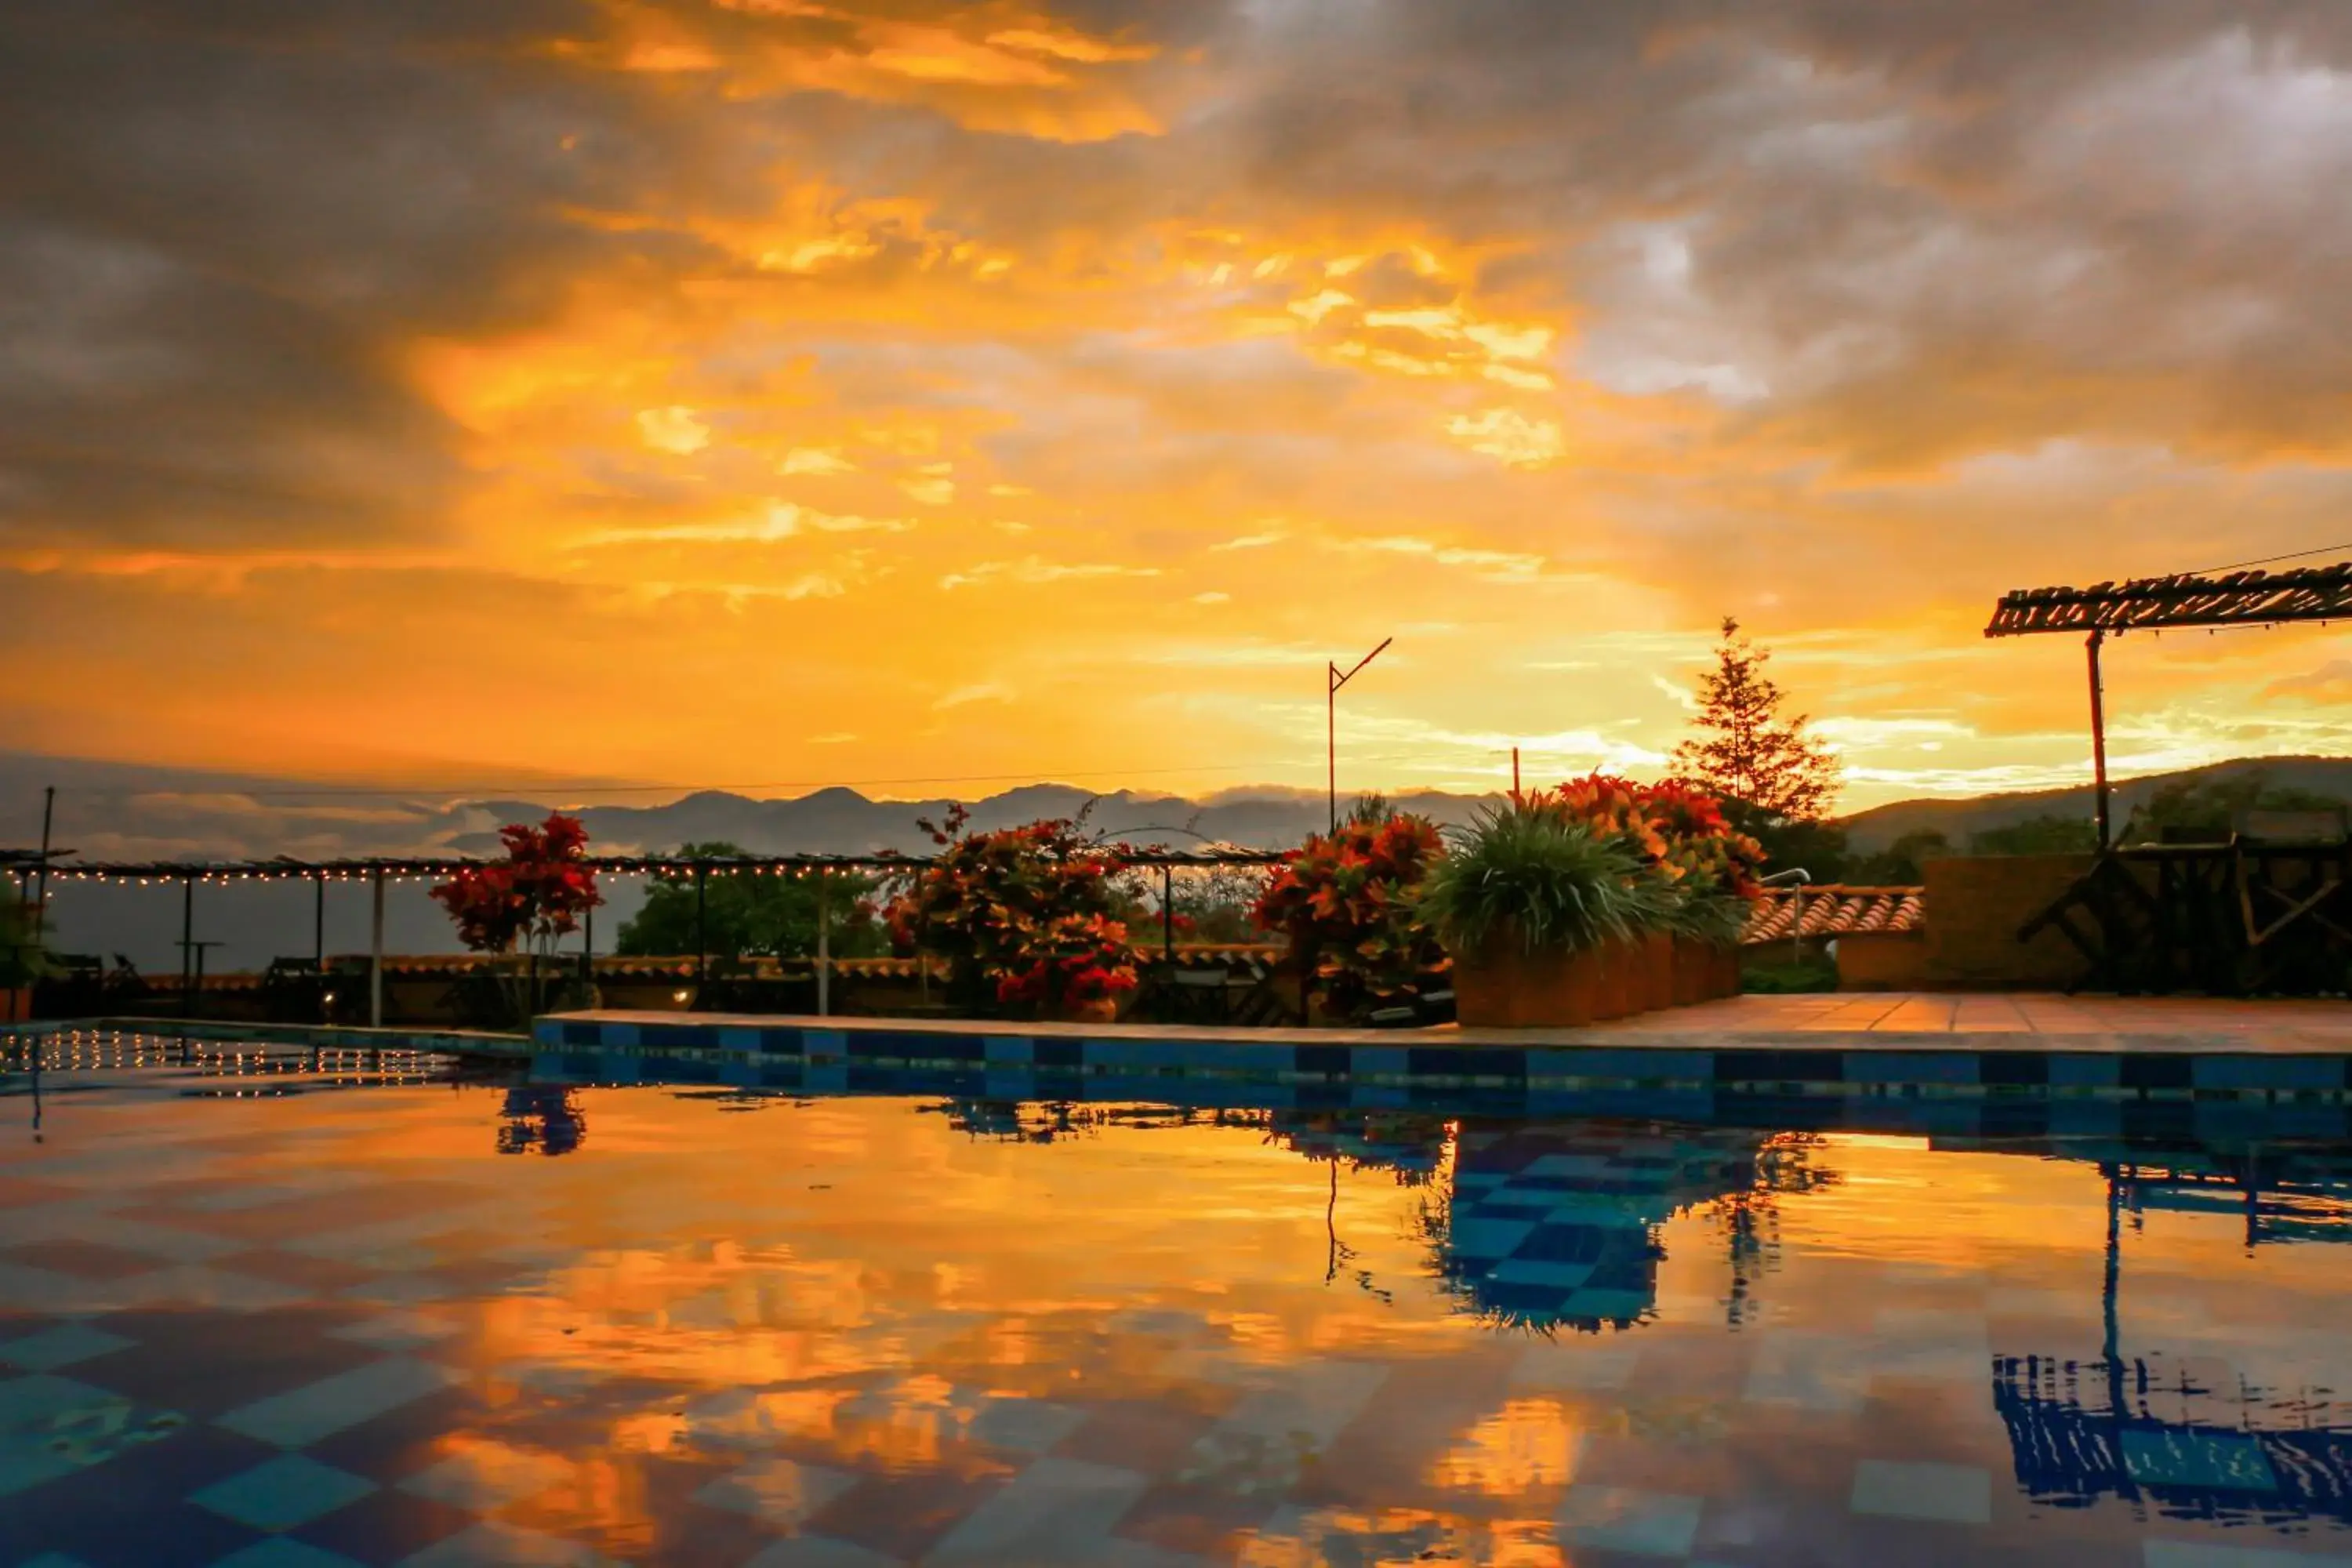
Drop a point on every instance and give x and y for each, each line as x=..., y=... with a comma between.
x=2165, y=604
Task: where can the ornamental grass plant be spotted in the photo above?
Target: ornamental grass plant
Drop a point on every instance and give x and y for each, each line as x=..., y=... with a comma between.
x=1531, y=873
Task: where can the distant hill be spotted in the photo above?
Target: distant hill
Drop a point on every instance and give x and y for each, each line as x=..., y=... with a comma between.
x=113, y=811
x=1957, y=820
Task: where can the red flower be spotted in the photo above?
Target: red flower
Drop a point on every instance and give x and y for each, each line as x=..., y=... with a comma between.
x=536, y=893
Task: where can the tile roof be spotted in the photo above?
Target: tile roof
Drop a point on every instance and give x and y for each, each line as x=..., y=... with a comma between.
x=1833, y=910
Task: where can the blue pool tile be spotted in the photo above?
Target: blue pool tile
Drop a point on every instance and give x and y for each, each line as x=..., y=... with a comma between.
x=280, y=1494
x=618, y=1037
x=1332, y=1061
x=1779, y=1067
x=1488, y=1237
x=1538, y=1271
x=61, y=1346
x=1257, y=1057
x=2269, y=1072
x=279, y=1553
x=1468, y=1061
x=1383, y=1061
x=736, y=1037
x=2075, y=1069
x=1008, y=1050
x=826, y=1078
x=2146, y=1069
x=1625, y=1518
x=1948, y=1494
x=824, y=1043
x=781, y=1042
x=2018, y=1069
x=2231, y=1461
x=2198, y=1554
x=1911, y=1067
x=1631, y=1063
x=299, y=1417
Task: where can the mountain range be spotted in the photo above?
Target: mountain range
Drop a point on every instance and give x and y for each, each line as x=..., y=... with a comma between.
x=118, y=811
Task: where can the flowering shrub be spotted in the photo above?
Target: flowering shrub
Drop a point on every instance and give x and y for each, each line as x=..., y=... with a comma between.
x=1345, y=902
x=535, y=895
x=1029, y=914
x=1676, y=826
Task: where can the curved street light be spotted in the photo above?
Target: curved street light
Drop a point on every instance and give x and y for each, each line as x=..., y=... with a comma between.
x=1332, y=721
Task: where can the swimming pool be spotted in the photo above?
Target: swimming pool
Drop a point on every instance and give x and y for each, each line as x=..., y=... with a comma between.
x=265, y=1308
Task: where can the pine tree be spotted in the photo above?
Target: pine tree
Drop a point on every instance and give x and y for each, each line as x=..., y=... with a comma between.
x=1745, y=750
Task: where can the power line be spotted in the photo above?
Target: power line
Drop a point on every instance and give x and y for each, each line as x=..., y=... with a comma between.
x=2268, y=559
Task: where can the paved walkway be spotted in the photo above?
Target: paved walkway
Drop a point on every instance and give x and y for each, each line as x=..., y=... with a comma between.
x=1830, y=1023
x=1931, y=1013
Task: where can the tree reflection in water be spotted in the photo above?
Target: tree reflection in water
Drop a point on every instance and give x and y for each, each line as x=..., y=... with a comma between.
x=541, y=1119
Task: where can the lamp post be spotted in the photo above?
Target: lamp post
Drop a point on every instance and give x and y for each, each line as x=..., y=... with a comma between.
x=1332, y=721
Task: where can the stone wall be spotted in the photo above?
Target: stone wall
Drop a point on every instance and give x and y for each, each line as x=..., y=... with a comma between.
x=1882, y=961
x=1975, y=904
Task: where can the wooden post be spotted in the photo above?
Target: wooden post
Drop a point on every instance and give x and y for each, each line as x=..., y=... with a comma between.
x=41, y=873
x=187, y=947
x=823, y=948
x=701, y=937
x=318, y=943
x=375, y=952
x=1331, y=740
x=1167, y=912
x=2099, y=738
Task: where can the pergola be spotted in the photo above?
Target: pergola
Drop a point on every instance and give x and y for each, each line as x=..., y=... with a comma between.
x=2240, y=914
x=2185, y=602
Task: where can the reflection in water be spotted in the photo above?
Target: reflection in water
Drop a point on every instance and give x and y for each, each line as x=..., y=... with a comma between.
x=2196, y=1442
x=541, y=1119
x=1555, y=1225
x=864, y=1330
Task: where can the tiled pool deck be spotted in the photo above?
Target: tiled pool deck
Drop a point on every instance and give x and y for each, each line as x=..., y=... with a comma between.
x=1892, y=1021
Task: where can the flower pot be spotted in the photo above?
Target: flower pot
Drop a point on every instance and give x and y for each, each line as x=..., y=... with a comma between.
x=1657, y=969
x=1725, y=973
x=1504, y=987
x=1619, y=992
x=1095, y=1010
x=1690, y=970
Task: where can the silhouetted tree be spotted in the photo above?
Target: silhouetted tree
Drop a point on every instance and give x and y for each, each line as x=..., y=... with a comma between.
x=1746, y=750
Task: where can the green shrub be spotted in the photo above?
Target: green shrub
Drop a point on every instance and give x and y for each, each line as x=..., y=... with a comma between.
x=1529, y=869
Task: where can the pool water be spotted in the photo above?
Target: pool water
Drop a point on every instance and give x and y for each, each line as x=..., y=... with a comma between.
x=290, y=1319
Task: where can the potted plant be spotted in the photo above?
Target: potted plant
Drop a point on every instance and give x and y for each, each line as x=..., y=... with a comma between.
x=1027, y=918
x=1346, y=903
x=527, y=901
x=1546, y=917
x=1681, y=831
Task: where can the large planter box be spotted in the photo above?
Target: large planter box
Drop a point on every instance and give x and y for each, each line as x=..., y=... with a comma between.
x=1704, y=972
x=1506, y=988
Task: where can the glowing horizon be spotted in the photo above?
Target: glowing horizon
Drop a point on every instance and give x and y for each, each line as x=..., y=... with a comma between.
x=984, y=391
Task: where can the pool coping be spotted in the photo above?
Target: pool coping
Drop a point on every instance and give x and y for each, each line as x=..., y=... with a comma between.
x=583, y=1045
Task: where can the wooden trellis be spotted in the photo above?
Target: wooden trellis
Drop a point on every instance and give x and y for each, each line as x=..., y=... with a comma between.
x=2227, y=917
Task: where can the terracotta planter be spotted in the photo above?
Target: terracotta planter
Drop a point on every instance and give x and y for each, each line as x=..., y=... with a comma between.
x=1504, y=987
x=1619, y=993
x=1100, y=1010
x=1725, y=972
x=1692, y=959
x=1657, y=969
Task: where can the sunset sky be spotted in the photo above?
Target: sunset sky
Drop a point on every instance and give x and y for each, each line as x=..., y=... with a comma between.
x=796, y=392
